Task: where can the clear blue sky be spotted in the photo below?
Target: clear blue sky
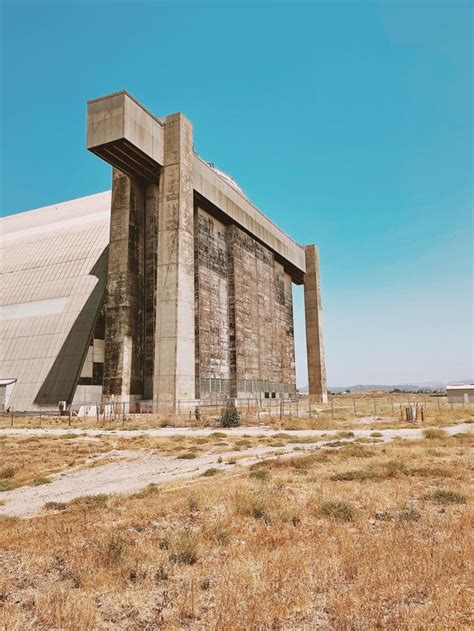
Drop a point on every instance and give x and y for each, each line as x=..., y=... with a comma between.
x=349, y=124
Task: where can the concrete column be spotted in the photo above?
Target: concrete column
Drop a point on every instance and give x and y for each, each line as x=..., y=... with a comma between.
x=151, y=253
x=314, y=327
x=123, y=365
x=174, y=369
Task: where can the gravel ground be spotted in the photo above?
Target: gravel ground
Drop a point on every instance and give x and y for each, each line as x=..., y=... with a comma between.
x=133, y=470
x=252, y=431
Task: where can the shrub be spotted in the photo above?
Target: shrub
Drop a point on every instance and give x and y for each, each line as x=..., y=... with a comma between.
x=393, y=468
x=189, y=455
x=259, y=510
x=344, y=435
x=409, y=514
x=7, y=484
x=230, y=416
x=340, y=510
x=347, y=476
x=185, y=548
x=376, y=434
x=113, y=547
x=443, y=496
x=434, y=434
x=7, y=472
x=55, y=506
x=193, y=504
x=151, y=489
x=210, y=472
x=357, y=451
x=430, y=472
x=40, y=481
x=92, y=501
x=260, y=474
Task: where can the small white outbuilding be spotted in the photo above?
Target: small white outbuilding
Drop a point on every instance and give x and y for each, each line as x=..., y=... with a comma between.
x=6, y=387
x=460, y=393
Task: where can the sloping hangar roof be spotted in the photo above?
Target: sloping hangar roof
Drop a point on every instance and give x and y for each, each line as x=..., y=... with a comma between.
x=53, y=271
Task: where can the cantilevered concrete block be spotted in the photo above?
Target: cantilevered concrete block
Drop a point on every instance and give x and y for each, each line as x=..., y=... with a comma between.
x=125, y=134
x=314, y=327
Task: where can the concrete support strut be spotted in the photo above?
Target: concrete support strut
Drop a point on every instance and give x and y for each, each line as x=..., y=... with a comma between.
x=314, y=327
x=123, y=374
x=174, y=372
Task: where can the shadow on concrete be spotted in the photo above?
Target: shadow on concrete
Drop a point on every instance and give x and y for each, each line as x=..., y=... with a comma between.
x=63, y=376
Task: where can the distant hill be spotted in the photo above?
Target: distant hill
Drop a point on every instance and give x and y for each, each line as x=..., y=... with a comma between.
x=404, y=387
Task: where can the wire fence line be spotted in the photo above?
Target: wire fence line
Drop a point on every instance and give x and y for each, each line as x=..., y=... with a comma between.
x=402, y=407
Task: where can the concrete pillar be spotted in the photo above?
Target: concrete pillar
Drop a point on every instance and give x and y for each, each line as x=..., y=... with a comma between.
x=314, y=327
x=174, y=369
x=151, y=252
x=123, y=365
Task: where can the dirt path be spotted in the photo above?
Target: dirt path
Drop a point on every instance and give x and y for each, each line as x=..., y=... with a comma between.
x=252, y=431
x=133, y=470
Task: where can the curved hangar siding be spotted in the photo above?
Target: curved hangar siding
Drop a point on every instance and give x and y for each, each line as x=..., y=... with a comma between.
x=53, y=270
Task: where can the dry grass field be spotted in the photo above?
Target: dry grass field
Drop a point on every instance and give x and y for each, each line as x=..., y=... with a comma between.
x=355, y=536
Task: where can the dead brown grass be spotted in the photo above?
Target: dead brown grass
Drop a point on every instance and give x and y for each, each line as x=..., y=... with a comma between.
x=289, y=548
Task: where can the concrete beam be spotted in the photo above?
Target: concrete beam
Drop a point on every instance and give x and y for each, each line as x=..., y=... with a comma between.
x=238, y=209
x=314, y=327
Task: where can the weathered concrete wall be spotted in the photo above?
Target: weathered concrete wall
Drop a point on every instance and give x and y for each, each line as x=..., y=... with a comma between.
x=261, y=319
x=314, y=327
x=212, y=300
x=123, y=368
